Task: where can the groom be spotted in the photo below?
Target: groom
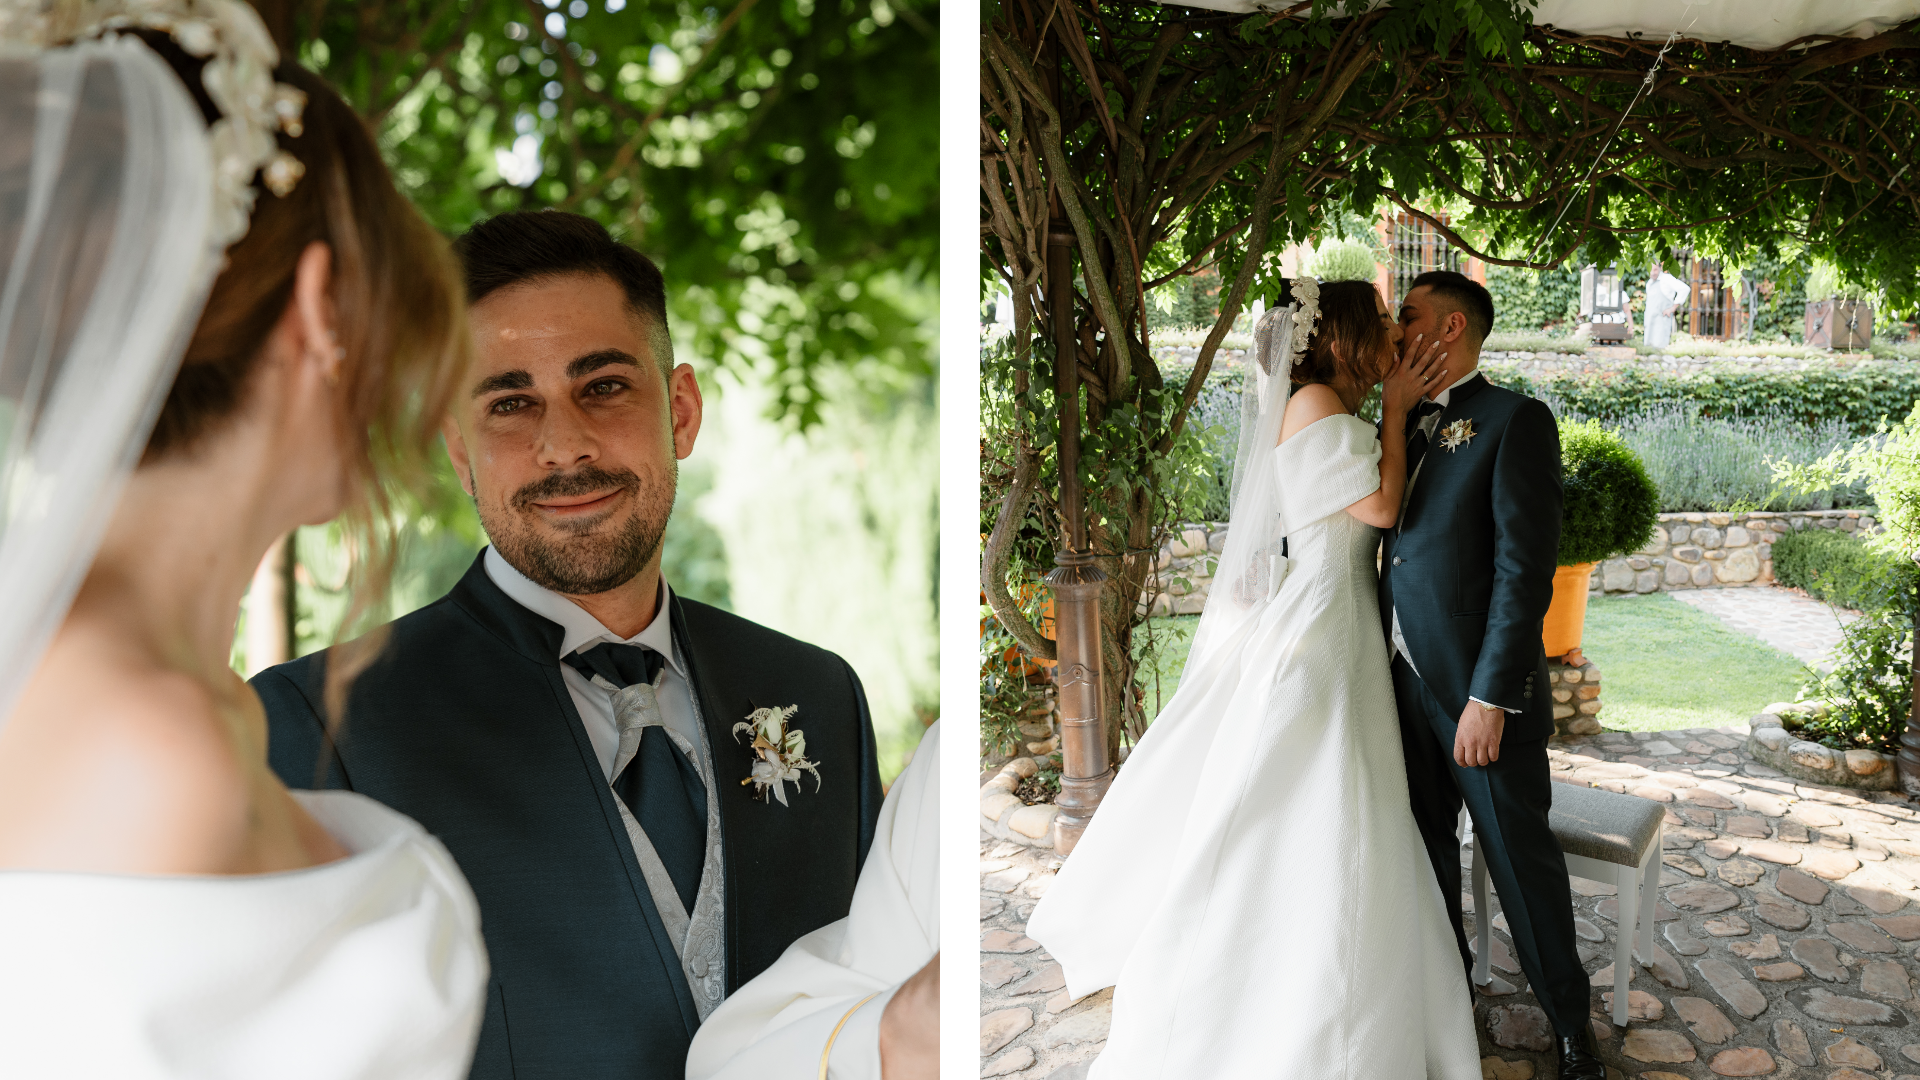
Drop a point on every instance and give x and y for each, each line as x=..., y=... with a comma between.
x=1465, y=580
x=562, y=721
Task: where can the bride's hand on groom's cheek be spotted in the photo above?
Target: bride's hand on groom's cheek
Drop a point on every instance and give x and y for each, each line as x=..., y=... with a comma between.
x=910, y=1028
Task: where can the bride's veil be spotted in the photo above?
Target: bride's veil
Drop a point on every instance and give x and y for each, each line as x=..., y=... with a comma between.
x=106, y=193
x=1254, y=532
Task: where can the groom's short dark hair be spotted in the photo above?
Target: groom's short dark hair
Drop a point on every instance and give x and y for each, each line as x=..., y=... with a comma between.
x=1458, y=292
x=528, y=245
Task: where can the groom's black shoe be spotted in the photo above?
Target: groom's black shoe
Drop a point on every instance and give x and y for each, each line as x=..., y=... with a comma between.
x=1578, y=1060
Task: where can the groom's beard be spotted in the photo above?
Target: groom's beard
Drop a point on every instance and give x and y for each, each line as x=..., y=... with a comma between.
x=590, y=555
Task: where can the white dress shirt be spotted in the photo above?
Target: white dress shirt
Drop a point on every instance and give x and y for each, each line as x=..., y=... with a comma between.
x=1427, y=424
x=579, y=630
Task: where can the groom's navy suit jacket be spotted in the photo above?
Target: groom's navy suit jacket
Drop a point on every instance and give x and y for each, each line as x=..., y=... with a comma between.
x=464, y=724
x=1470, y=566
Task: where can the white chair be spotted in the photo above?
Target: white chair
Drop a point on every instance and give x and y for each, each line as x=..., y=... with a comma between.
x=1607, y=837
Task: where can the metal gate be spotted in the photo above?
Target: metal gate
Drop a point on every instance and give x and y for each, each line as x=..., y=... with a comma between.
x=1415, y=247
x=1712, y=310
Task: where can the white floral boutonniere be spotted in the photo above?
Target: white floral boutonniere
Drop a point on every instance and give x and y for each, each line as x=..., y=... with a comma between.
x=1456, y=435
x=782, y=751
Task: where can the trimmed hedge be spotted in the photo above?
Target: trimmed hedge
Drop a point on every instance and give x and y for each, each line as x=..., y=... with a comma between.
x=1858, y=396
x=1610, y=505
x=1843, y=570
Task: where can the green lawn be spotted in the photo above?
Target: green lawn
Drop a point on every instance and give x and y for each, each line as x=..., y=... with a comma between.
x=1663, y=665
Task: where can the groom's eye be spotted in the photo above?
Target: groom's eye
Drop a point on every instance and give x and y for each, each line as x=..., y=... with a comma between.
x=603, y=387
x=507, y=406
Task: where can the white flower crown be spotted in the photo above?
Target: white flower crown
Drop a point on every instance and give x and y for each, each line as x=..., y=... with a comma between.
x=1306, y=315
x=238, y=77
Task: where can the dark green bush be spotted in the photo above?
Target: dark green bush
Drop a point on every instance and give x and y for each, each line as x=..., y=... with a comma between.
x=1870, y=689
x=1844, y=570
x=1610, y=503
x=1858, y=396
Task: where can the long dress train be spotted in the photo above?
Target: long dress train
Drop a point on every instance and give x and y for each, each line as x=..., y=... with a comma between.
x=1254, y=885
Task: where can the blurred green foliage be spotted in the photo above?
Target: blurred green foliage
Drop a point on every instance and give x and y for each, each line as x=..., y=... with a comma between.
x=778, y=158
x=1857, y=395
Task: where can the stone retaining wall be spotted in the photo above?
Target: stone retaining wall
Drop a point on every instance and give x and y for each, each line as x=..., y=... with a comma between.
x=1699, y=551
x=1689, y=551
x=1773, y=743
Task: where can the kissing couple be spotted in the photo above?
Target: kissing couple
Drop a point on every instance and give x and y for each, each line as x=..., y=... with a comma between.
x=1332, y=720
x=565, y=822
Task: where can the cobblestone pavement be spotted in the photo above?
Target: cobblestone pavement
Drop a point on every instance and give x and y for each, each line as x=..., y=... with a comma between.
x=1788, y=924
x=1792, y=622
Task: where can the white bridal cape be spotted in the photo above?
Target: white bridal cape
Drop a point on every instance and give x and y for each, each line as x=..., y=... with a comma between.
x=368, y=968
x=776, y=1026
x=1254, y=885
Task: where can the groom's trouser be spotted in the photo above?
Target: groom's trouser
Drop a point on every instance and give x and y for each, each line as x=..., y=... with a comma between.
x=1508, y=800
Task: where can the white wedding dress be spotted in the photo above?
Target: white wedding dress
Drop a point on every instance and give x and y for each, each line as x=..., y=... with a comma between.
x=1253, y=884
x=368, y=968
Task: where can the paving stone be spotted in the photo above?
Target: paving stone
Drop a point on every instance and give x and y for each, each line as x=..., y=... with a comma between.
x=1086, y=1027
x=1719, y=849
x=1802, y=887
x=1652, y=1044
x=1709, y=1024
x=1665, y=968
x=999, y=972
x=1861, y=937
x=1684, y=943
x=1686, y=864
x=1742, y=1061
x=1006, y=880
x=1704, y=899
x=1851, y=1051
x=1641, y=1006
x=1651, y=792
x=1820, y=957
x=1772, y=851
x=1784, y=914
x=1609, y=909
x=1727, y=926
x=1886, y=979
x=1911, y=1052
x=1791, y=1040
x=991, y=906
x=1850, y=1073
x=1767, y=948
x=1695, y=815
x=1016, y=1060
x=1815, y=814
x=1762, y=802
x=1822, y=1004
x=1499, y=955
x=1741, y=872
x=1748, y=825
x=1520, y=1027
x=1880, y=901
x=1586, y=931
x=1700, y=796
x=1006, y=941
x=1493, y=1068
x=1792, y=832
x=1045, y=981
x=1784, y=971
x=1498, y=987
x=1733, y=988
x=1002, y=1026
x=1832, y=865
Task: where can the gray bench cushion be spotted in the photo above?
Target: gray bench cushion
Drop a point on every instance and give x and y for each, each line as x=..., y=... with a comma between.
x=1604, y=825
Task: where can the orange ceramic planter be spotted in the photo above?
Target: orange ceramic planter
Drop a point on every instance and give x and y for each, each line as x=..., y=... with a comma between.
x=1567, y=615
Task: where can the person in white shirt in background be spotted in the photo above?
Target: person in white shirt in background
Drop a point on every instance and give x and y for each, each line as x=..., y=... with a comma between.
x=818, y=1010
x=1665, y=294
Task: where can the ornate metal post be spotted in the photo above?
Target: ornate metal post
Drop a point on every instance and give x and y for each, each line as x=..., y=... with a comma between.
x=1076, y=581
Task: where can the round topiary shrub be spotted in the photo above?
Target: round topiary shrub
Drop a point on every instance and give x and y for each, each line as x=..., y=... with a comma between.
x=1610, y=504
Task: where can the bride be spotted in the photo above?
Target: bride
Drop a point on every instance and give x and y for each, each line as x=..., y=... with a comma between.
x=192, y=363
x=1254, y=886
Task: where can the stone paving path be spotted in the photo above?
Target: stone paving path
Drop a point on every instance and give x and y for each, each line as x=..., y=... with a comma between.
x=1788, y=924
x=1792, y=622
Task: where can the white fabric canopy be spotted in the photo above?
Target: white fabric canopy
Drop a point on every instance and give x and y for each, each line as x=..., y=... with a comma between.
x=1756, y=24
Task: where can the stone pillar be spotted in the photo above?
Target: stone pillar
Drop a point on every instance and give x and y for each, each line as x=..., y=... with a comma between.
x=1085, y=772
x=1575, y=689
